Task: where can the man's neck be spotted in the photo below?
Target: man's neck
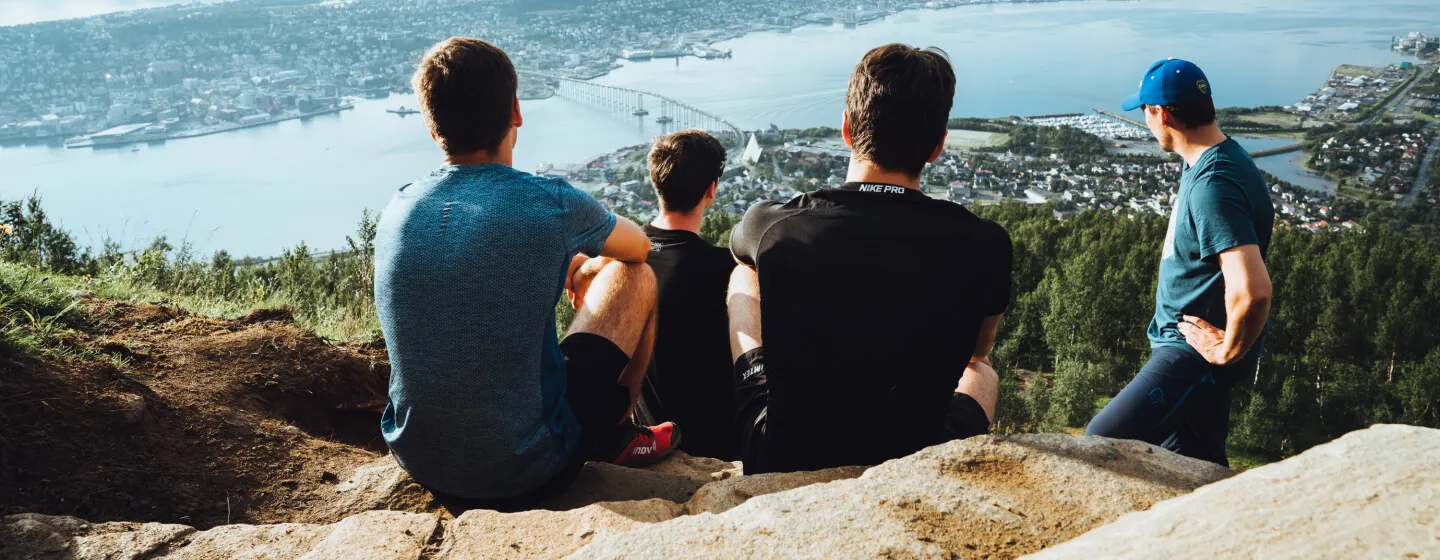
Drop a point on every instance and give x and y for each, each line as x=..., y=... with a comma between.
x=680, y=221
x=1193, y=144
x=502, y=156
x=865, y=172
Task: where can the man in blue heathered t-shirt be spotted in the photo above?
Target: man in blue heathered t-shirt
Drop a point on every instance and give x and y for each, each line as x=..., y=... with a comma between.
x=1214, y=291
x=487, y=408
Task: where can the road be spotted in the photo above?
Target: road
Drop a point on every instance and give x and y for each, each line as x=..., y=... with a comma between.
x=1403, y=96
x=1424, y=171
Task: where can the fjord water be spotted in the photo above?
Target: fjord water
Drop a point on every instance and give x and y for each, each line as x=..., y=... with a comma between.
x=256, y=191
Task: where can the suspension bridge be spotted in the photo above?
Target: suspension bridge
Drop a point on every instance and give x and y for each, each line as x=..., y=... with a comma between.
x=672, y=114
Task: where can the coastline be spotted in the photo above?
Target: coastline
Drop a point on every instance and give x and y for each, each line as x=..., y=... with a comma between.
x=216, y=129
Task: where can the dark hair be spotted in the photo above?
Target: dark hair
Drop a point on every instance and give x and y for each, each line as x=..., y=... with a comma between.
x=898, y=106
x=467, y=92
x=683, y=165
x=1193, y=114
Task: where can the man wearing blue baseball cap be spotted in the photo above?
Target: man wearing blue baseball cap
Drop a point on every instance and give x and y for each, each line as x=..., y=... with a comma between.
x=1214, y=290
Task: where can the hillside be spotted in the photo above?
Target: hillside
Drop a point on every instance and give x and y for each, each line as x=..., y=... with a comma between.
x=187, y=419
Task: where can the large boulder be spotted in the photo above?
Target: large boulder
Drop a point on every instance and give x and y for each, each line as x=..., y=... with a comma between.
x=31, y=536
x=721, y=496
x=997, y=496
x=373, y=535
x=482, y=534
x=382, y=484
x=1371, y=494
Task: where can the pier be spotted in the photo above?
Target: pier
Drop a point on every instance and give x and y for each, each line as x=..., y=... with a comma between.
x=1277, y=150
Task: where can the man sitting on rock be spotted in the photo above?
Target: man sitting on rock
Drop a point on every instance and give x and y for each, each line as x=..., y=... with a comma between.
x=878, y=304
x=470, y=261
x=689, y=378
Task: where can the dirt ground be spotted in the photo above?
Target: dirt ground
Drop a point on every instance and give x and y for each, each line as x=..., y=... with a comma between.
x=210, y=422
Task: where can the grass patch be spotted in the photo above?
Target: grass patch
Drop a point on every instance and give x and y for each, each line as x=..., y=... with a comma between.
x=1277, y=118
x=41, y=315
x=1351, y=71
x=971, y=139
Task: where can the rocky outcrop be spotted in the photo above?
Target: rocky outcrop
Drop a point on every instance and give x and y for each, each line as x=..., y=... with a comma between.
x=382, y=484
x=726, y=494
x=1371, y=494
x=377, y=535
x=483, y=535
x=993, y=496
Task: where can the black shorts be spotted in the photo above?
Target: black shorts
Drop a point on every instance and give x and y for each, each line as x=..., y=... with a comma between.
x=964, y=418
x=593, y=366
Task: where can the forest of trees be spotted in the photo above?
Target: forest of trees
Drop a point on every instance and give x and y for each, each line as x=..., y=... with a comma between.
x=1352, y=338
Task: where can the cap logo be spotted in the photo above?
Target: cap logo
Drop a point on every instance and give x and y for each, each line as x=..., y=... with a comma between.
x=1204, y=87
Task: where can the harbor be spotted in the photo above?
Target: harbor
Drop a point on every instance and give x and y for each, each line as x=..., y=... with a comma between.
x=143, y=133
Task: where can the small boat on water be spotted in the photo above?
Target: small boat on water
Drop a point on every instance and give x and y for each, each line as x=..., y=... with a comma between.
x=403, y=110
x=664, y=120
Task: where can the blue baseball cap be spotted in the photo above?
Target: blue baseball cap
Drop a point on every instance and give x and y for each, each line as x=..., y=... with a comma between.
x=1168, y=82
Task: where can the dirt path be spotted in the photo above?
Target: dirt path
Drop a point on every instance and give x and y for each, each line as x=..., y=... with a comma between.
x=211, y=421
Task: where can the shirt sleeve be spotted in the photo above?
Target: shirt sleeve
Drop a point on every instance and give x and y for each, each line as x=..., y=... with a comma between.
x=1003, y=265
x=587, y=221
x=745, y=240
x=1221, y=214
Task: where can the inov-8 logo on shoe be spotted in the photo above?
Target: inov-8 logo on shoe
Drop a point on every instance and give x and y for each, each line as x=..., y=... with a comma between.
x=647, y=450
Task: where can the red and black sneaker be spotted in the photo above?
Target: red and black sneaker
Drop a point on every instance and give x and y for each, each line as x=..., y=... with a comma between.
x=647, y=446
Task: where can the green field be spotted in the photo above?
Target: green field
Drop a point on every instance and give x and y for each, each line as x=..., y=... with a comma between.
x=1277, y=118
x=971, y=139
x=1351, y=71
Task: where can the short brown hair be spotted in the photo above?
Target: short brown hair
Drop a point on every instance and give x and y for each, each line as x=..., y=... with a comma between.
x=467, y=91
x=898, y=106
x=1193, y=114
x=683, y=165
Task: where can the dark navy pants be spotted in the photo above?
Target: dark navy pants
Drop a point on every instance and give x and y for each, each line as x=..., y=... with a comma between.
x=1179, y=402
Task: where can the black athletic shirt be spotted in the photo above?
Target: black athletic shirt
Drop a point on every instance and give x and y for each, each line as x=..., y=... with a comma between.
x=689, y=379
x=872, y=297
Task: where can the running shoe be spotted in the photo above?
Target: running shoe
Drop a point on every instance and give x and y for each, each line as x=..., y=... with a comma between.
x=647, y=446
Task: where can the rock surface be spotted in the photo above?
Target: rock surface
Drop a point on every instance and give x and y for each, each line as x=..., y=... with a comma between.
x=382, y=484
x=481, y=535
x=1371, y=494
x=41, y=537
x=729, y=493
x=996, y=496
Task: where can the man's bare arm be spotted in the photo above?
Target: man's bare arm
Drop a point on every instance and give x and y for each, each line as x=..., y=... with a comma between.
x=1247, y=305
x=986, y=341
x=980, y=380
x=627, y=243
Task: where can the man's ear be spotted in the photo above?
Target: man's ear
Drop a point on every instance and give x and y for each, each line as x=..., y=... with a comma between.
x=1167, y=119
x=939, y=150
x=516, y=120
x=845, y=129
x=710, y=192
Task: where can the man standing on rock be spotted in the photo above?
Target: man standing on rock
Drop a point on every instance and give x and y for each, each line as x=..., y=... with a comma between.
x=1212, y=274
x=689, y=378
x=878, y=304
x=470, y=261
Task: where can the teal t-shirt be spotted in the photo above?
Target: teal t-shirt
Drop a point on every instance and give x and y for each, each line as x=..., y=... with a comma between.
x=1223, y=203
x=469, y=263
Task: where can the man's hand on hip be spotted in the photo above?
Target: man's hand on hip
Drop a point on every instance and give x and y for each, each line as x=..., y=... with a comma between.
x=1208, y=340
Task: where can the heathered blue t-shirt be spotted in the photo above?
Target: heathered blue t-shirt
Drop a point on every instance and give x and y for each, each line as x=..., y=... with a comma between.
x=1223, y=203
x=469, y=264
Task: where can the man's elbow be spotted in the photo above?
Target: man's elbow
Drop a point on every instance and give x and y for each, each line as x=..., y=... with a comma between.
x=1258, y=296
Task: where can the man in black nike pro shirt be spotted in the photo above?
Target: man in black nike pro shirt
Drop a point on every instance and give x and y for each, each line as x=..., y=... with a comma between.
x=689, y=379
x=878, y=304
